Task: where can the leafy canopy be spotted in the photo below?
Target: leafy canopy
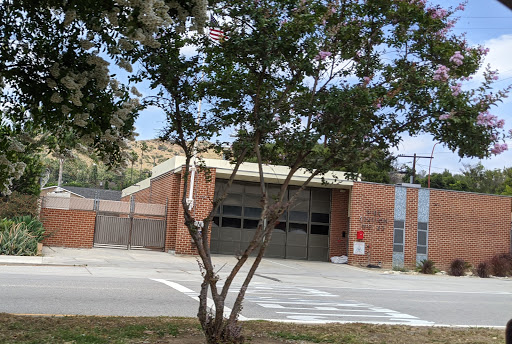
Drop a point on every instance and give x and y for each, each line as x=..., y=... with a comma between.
x=56, y=86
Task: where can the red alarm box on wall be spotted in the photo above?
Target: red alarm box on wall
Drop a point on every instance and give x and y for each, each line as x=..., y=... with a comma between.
x=360, y=235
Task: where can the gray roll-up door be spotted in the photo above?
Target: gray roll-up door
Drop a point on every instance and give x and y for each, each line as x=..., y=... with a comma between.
x=301, y=233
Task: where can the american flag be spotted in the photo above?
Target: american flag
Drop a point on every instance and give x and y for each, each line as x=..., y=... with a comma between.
x=215, y=32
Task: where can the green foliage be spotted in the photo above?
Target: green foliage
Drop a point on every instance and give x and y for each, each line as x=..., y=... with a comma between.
x=18, y=204
x=56, y=89
x=472, y=179
x=17, y=241
x=76, y=172
x=33, y=225
x=426, y=266
x=19, y=236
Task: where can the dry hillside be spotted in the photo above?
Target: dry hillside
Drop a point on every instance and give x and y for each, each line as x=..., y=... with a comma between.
x=158, y=151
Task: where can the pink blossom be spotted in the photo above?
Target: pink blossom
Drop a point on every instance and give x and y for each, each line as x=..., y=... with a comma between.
x=488, y=120
x=322, y=55
x=483, y=51
x=445, y=116
x=378, y=105
x=461, y=7
x=441, y=74
x=456, y=89
x=438, y=13
x=457, y=58
x=499, y=148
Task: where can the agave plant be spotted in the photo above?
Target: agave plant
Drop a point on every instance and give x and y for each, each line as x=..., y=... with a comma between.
x=33, y=225
x=18, y=241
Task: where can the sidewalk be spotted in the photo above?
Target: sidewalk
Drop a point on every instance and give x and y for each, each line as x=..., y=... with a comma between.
x=90, y=257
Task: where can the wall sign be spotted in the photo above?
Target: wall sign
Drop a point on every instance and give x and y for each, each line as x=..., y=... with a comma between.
x=373, y=219
x=359, y=248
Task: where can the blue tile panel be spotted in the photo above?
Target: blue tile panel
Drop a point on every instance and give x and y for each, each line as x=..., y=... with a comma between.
x=400, y=202
x=400, y=211
x=423, y=205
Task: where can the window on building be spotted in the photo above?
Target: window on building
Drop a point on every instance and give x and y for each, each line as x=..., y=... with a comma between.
x=398, y=236
x=422, y=238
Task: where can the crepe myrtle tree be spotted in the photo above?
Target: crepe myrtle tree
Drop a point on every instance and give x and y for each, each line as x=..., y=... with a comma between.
x=313, y=85
x=57, y=89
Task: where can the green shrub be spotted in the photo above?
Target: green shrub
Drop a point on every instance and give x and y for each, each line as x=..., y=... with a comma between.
x=18, y=204
x=458, y=267
x=483, y=270
x=18, y=241
x=426, y=266
x=34, y=226
x=5, y=224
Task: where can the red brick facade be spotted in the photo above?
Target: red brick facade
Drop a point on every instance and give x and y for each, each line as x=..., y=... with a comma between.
x=469, y=226
x=371, y=211
x=473, y=227
x=69, y=228
x=338, y=234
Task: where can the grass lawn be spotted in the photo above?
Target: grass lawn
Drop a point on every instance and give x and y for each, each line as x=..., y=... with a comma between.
x=116, y=330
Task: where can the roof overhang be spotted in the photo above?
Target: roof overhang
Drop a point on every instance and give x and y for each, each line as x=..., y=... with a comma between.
x=274, y=174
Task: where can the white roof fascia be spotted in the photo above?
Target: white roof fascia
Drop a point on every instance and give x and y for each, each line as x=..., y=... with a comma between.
x=143, y=184
x=275, y=174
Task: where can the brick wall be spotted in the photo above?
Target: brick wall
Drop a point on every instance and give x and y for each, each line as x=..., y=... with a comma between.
x=339, y=223
x=203, y=194
x=469, y=226
x=463, y=225
x=372, y=211
x=411, y=228
x=166, y=189
x=69, y=228
x=142, y=196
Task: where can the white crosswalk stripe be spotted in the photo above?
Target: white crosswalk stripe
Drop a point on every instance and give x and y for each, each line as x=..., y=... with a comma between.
x=313, y=305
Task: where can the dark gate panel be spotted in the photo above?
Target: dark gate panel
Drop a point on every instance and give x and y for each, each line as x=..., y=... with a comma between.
x=148, y=234
x=129, y=233
x=112, y=231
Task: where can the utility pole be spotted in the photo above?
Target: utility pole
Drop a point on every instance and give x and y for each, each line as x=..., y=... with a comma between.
x=413, y=163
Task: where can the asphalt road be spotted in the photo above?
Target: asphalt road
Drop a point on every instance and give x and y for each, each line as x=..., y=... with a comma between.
x=283, y=290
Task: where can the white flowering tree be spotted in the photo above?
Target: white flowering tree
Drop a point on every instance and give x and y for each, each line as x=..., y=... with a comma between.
x=315, y=84
x=56, y=88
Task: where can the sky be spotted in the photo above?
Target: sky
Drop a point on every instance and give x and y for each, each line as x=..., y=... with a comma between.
x=485, y=22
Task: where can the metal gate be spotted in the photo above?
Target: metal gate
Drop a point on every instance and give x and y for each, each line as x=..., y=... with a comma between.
x=129, y=233
x=121, y=225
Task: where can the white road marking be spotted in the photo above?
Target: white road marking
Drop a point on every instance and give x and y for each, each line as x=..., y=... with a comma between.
x=427, y=290
x=312, y=308
x=192, y=294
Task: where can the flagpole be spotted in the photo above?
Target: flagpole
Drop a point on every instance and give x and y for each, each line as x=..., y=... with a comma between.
x=216, y=35
x=190, y=199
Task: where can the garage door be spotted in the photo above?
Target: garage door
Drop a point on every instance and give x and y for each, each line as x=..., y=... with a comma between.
x=302, y=231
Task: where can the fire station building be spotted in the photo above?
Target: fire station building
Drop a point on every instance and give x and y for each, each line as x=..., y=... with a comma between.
x=378, y=224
